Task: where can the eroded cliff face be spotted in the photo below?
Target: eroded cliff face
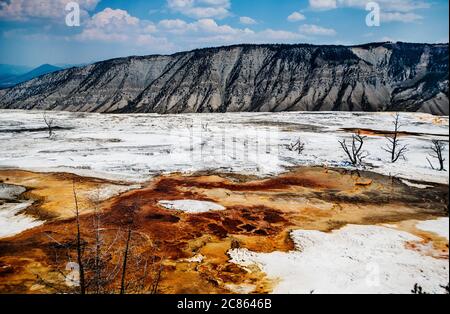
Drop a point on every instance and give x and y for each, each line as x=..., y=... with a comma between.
x=372, y=77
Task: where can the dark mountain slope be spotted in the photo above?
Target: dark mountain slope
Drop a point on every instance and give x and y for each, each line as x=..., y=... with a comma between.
x=372, y=77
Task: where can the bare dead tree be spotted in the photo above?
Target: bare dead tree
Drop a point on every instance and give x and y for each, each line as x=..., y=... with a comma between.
x=355, y=153
x=156, y=279
x=394, y=147
x=125, y=260
x=438, y=148
x=79, y=269
x=49, y=123
x=418, y=289
x=79, y=244
x=298, y=146
x=140, y=283
x=104, y=262
x=98, y=248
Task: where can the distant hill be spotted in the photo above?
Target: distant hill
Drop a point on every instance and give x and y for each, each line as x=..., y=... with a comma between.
x=9, y=71
x=372, y=77
x=13, y=75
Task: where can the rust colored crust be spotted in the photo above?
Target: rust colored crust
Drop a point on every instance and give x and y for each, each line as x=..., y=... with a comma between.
x=52, y=193
x=371, y=132
x=259, y=216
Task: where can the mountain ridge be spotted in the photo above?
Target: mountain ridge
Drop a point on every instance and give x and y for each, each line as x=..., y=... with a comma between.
x=12, y=80
x=250, y=77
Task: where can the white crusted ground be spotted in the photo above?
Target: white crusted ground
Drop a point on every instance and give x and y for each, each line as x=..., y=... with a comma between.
x=12, y=222
x=439, y=226
x=191, y=206
x=354, y=259
x=136, y=147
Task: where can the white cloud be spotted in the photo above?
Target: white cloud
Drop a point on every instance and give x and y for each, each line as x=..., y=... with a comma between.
x=247, y=20
x=295, y=17
x=175, y=24
x=315, y=30
x=180, y=4
x=393, y=10
x=118, y=26
x=247, y=36
x=204, y=12
x=201, y=8
x=210, y=26
x=280, y=35
x=129, y=34
x=386, y=5
x=391, y=5
x=24, y=10
x=207, y=32
x=323, y=4
x=400, y=17
x=169, y=35
x=114, y=18
x=96, y=34
x=151, y=28
x=202, y=26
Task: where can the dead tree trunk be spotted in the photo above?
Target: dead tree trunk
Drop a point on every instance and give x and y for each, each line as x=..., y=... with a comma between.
x=355, y=154
x=394, y=148
x=79, y=244
x=124, y=265
x=298, y=146
x=97, y=263
x=49, y=123
x=157, y=279
x=438, y=148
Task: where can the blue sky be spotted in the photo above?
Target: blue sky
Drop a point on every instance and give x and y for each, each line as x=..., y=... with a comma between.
x=33, y=32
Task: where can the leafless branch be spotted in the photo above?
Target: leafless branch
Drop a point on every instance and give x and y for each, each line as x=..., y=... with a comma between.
x=298, y=146
x=394, y=147
x=79, y=245
x=104, y=261
x=49, y=123
x=355, y=153
x=125, y=260
x=437, y=148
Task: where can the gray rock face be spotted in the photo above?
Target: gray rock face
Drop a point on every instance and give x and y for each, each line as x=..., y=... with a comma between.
x=372, y=77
